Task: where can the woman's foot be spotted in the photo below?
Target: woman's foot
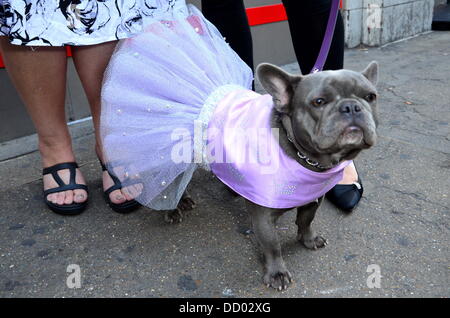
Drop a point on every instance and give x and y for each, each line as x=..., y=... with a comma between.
x=350, y=175
x=348, y=192
x=53, y=153
x=124, y=195
x=67, y=197
x=57, y=203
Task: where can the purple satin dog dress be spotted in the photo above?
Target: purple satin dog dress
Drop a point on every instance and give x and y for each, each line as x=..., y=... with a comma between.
x=247, y=157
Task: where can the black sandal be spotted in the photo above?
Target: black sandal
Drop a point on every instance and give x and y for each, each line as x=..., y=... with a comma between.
x=65, y=209
x=125, y=207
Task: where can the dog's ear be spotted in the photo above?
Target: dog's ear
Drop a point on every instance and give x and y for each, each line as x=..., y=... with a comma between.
x=371, y=72
x=278, y=83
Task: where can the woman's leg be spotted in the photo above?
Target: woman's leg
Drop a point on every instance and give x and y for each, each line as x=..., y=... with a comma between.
x=308, y=22
x=39, y=75
x=90, y=63
x=230, y=18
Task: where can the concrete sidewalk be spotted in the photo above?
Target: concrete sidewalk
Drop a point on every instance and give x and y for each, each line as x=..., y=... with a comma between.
x=402, y=223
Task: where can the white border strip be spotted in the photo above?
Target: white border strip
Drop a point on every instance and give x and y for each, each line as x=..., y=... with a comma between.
x=82, y=120
x=405, y=39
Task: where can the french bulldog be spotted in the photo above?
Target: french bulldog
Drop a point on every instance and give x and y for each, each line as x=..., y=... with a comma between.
x=328, y=117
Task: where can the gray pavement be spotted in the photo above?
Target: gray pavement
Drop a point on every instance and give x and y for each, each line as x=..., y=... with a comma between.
x=401, y=224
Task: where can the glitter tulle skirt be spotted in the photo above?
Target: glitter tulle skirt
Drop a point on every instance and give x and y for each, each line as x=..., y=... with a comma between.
x=160, y=88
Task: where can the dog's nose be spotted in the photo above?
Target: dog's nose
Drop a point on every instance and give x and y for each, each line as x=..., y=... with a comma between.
x=349, y=108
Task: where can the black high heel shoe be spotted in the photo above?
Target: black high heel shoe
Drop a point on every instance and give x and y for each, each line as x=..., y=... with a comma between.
x=346, y=196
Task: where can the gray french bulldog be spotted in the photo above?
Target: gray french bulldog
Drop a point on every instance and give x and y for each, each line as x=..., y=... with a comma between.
x=329, y=117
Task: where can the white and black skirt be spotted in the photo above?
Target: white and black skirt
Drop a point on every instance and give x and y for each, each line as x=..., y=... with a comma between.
x=76, y=22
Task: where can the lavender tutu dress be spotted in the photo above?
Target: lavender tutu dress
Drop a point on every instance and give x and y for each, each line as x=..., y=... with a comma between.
x=177, y=97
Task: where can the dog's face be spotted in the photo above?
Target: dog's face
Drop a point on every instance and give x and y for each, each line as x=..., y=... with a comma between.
x=331, y=112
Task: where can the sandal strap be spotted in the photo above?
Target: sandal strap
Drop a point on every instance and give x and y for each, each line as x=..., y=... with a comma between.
x=59, y=166
x=62, y=186
x=117, y=183
x=113, y=188
x=53, y=170
x=112, y=175
x=66, y=188
x=103, y=166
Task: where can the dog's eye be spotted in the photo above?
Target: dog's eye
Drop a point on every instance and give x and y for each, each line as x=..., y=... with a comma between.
x=318, y=102
x=370, y=97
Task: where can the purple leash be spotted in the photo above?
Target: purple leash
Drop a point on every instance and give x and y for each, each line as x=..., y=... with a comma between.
x=325, y=48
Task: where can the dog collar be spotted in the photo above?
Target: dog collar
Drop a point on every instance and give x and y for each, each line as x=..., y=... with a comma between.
x=309, y=161
x=312, y=162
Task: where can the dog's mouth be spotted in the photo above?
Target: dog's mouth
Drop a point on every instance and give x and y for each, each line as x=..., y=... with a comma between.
x=357, y=136
x=352, y=135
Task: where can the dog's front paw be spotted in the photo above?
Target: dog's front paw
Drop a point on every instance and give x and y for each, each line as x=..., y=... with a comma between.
x=313, y=242
x=278, y=279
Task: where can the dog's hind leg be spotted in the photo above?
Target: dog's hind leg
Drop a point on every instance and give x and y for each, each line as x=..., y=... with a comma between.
x=186, y=203
x=176, y=216
x=306, y=235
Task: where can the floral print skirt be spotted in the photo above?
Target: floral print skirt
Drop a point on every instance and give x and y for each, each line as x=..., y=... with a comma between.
x=77, y=22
